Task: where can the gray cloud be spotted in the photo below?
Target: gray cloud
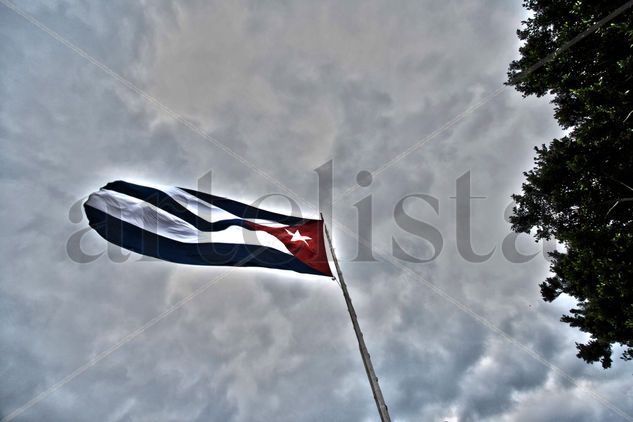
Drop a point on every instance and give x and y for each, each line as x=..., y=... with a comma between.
x=288, y=86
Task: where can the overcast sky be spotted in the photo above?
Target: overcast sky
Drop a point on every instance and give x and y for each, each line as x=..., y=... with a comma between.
x=287, y=86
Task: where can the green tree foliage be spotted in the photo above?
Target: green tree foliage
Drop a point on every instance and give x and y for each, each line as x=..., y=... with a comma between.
x=580, y=190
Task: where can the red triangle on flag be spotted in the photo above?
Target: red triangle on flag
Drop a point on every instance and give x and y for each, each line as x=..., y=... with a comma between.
x=305, y=241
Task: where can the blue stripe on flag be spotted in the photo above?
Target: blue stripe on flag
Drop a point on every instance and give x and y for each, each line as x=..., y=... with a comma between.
x=147, y=243
x=246, y=211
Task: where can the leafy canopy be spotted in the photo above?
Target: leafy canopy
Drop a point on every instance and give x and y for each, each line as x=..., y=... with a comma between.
x=580, y=190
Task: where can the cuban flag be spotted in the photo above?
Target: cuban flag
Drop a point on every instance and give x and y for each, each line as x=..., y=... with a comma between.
x=190, y=227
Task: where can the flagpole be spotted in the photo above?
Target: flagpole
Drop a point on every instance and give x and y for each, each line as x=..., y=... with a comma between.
x=369, y=368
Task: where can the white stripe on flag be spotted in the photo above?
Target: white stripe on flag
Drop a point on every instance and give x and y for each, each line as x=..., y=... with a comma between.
x=155, y=220
x=197, y=206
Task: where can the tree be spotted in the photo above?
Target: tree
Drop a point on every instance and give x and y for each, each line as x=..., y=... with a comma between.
x=580, y=189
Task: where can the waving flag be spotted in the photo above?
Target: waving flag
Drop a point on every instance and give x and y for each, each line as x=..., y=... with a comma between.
x=190, y=227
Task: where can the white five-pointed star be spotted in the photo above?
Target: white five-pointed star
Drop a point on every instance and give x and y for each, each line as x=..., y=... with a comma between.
x=296, y=236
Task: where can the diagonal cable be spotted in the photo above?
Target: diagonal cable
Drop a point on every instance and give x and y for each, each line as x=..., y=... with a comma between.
x=384, y=255
x=146, y=96
x=122, y=342
x=417, y=277
x=461, y=116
